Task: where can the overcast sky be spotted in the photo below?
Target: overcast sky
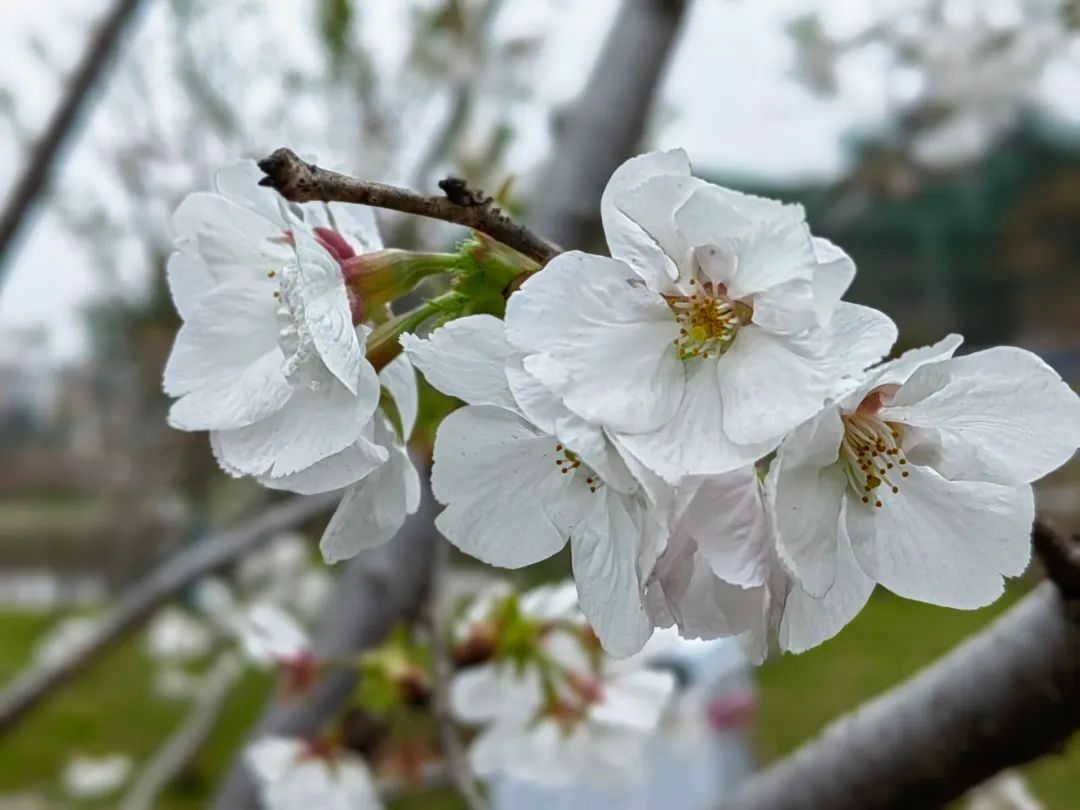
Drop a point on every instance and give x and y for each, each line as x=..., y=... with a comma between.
x=728, y=99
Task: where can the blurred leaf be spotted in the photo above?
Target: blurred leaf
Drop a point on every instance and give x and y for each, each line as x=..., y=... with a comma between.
x=335, y=23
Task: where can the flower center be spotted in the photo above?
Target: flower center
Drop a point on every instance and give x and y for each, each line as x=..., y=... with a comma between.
x=569, y=462
x=872, y=456
x=708, y=320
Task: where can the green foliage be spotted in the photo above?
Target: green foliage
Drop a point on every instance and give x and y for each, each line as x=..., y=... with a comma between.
x=113, y=709
x=486, y=271
x=335, y=23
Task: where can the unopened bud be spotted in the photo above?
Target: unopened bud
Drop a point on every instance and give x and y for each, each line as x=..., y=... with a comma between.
x=377, y=279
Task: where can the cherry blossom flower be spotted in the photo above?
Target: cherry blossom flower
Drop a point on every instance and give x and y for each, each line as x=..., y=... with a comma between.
x=378, y=499
x=176, y=636
x=921, y=478
x=716, y=327
x=520, y=475
x=294, y=774
x=283, y=572
x=96, y=777
x=270, y=357
x=724, y=577
x=270, y=636
x=574, y=718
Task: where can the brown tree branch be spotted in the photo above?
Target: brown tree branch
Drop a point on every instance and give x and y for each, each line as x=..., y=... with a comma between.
x=35, y=177
x=139, y=602
x=454, y=753
x=1060, y=556
x=379, y=589
x=191, y=735
x=1005, y=697
x=604, y=125
x=299, y=181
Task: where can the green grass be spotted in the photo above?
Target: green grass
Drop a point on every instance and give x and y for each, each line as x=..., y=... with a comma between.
x=113, y=707
x=890, y=640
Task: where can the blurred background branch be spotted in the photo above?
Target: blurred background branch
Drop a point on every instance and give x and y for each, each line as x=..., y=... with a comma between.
x=1006, y=696
x=138, y=604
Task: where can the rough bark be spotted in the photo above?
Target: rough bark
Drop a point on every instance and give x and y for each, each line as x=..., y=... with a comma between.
x=300, y=181
x=1003, y=698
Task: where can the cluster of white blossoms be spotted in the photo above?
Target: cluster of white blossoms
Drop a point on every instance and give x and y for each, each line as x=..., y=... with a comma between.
x=700, y=416
x=272, y=356
x=553, y=710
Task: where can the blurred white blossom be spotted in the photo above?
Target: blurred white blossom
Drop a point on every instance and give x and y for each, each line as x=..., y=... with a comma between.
x=294, y=774
x=565, y=716
x=96, y=777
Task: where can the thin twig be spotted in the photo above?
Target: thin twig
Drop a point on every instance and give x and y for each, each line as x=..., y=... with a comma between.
x=299, y=181
x=139, y=602
x=34, y=179
x=457, y=760
x=180, y=749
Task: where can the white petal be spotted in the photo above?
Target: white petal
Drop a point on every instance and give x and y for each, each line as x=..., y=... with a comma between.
x=188, y=280
x=313, y=425
x=399, y=378
x=232, y=326
x=713, y=212
x=540, y=406
x=240, y=183
x=635, y=700
x=693, y=442
x=373, y=509
x=465, y=359
x=552, y=602
x=496, y=474
x=235, y=242
x=896, y=372
x=773, y=253
x=629, y=239
x=807, y=621
x=703, y=606
x=326, y=311
x=786, y=308
x=856, y=337
x=727, y=521
x=231, y=401
x=605, y=548
x=805, y=487
x=832, y=277
x=352, y=464
x=601, y=343
x=769, y=384
x=1002, y=414
x=495, y=691
x=944, y=542
x=357, y=223
x=269, y=634
x=271, y=758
